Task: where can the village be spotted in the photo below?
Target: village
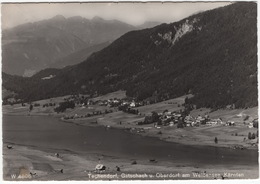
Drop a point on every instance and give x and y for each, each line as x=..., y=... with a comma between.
x=145, y=118
x=180, y=117
x=173, y=120
x=170, y=120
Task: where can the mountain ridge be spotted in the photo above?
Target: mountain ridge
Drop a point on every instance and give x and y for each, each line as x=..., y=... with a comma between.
x=212, y=55
x=35, y=46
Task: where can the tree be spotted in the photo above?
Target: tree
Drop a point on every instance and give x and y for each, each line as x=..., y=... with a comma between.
x=148, y=120
x=166, y=110
x=249, y=135
x=180, y=123
x=31, y=107
x=216, y=140
x=64, y=105
x=253, y=136
x=186, y=101
x=255, y=123
x=155, y=116
x=246, y=118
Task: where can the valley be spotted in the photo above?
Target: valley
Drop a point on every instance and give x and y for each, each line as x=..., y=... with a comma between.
x=100, y=99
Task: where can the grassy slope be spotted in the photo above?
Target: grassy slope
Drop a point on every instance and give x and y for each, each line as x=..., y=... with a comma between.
x=117, y=94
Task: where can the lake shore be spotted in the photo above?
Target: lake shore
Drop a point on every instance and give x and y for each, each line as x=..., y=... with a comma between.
x=195, y=136
x=228, y=137
x=43, y=164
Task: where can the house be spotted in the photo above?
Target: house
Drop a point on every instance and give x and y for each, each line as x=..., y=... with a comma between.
x=76, y=115
x=90, y=102
x=188, y=118
x=160, y=114
x=103, y=103
x=168, y=113
x=189, y=123
x=116, y=101
x=176, y=115
x=100, y=167
x=230, y=123
x=250, y=125
x=132, y=104
x=200, y=120
x=214, y=122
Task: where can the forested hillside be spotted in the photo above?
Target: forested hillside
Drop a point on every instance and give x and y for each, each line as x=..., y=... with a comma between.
x=212, y=55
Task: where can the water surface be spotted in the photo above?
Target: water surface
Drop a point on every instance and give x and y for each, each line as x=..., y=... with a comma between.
x=50, y=132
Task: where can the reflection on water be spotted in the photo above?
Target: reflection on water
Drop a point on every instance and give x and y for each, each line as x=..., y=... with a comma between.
x=48, y=132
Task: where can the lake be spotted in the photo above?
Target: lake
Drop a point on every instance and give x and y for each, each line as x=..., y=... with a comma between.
x=48, y=132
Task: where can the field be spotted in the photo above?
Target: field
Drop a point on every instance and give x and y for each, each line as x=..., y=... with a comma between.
x=236, y=115
x=227, y=136
x=118, y=94
x=116, y=119
x=170, y=105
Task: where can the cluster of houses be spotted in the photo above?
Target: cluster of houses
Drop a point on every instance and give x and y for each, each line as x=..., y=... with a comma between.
x=86, y=101
x=120, y=102
x=253, y=124
x=10, y=101
x=171, y=118
x=196, y=121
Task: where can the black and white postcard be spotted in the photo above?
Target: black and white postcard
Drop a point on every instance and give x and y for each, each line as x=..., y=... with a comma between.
x=98, y=91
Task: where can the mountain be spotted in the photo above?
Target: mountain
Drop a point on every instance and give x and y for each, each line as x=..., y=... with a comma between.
x=149, y=24
x=31, y=47
x=96, y=30
x=78, y=56
x=212, y=55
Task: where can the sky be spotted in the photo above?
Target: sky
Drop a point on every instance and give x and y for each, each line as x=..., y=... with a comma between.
x=132, y=13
